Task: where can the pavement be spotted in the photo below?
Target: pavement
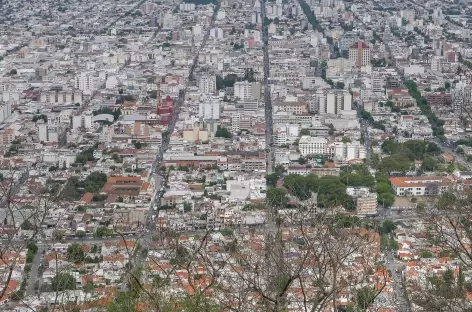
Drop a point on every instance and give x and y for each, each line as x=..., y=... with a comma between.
x=33, y=275
x=398, y=287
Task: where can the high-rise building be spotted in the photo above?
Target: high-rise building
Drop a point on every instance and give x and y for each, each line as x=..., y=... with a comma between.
x=87, y=82
x=330, y=102
x=359, y=54
x=243, y=90
x=462, y=98
x=209, y=109
x=436, y=63
x=349, y=151
x=207, y=84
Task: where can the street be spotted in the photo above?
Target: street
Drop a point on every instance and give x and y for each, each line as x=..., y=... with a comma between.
x=399, y=292
x=33, y=275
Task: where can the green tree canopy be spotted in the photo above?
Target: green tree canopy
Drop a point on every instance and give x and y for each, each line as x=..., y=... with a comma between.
x=63, y=281
x=75, y=253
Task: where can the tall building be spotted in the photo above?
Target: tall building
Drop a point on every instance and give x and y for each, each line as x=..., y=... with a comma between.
x=436, y=63
x=207, y=84
x=367, y=205
x=349, y=151
x=49, y=133
x=359, y=54
x=462, y=98
x=87, y=82
x=245, y=90
x=209, y=109
x=330, y=102
x=82, y=121
x=347, y=40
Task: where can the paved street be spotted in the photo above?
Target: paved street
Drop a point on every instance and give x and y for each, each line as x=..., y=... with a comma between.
x=33, y=275
x=399, y=292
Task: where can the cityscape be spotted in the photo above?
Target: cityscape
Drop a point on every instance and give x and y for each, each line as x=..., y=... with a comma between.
x=235, y=155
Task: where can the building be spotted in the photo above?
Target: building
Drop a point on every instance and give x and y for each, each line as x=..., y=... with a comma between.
x=5, y=111
x=312, y=145
x=61, y=97
x=347, y=40
x=417, y=186
x=166, y=111
x=367, y=205
x=87, y=82
x=82, y=121
x=439, y=99
x=330, y=101
x=209, y=109
x=461, y=98
x=359, y=54
x=207, y=84
x=349, y=151
x=195, y=134
x=7, y=136
x=244, y=90
x=49, y=133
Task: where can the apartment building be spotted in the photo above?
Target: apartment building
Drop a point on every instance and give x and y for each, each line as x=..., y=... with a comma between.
x=349, y=151
x=359, y=54
x=367, y=205
x=207, y=84
x=209, y=109
x=330, y=101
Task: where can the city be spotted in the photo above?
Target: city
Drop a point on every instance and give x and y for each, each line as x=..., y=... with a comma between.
x=235, y=155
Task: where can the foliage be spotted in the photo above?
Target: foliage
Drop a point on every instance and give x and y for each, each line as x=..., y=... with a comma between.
x=365, y=297
x=277, y=197
x=310, y=16
x=222, y=132
x=436, y=123
x=331, y=190
x=38, y=117
x=75, y=188
x=106, y=110
x=102, y=231
x=86, y=155
x=63, y=281
x=75, y=253
x=387, y=227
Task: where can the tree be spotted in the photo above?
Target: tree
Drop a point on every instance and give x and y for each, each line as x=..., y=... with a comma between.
x=63, y=281
x=101, y=231
x=75, y=253
x=429, y=164
x=277, y=197
x=365, y=297
x=304, y=132
x=13, y=72
x=387, y=226
x=80, y=234
x=222, y=132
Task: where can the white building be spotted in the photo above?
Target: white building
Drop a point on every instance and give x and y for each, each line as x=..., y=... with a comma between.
x=5, y=111
x=243, y=90
x=312, y=145
x=207, y=84
x=349, y=151
x=82, y=121
x=209, y=109
x=330, y=102
x=87, y=82
x=48, y=133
